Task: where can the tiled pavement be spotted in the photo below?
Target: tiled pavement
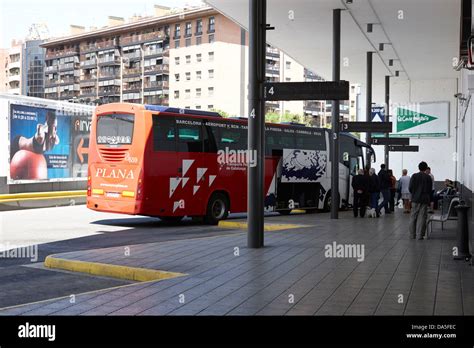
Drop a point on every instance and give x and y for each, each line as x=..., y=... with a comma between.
x=290, y=276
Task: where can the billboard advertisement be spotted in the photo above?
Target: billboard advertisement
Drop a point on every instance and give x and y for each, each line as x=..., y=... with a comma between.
x=44, y=143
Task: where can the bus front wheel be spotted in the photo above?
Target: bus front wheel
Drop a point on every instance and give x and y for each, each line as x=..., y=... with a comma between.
x=217, y=209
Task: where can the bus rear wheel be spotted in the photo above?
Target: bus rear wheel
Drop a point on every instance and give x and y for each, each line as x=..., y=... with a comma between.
x=217, y=209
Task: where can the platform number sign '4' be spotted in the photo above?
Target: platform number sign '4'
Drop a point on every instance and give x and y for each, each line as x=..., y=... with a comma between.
x=252, y=113
x=271, y=91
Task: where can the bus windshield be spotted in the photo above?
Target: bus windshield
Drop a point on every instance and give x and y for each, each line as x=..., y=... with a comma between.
x=115, y=129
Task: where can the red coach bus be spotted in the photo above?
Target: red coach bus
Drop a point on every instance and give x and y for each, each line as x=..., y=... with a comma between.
x=170, y=163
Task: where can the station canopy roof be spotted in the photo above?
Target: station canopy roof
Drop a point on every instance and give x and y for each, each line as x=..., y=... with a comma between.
x=421, y=36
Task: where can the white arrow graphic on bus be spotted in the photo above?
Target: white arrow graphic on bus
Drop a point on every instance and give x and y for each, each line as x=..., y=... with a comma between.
x=186, y=165
x=185, y=180
x=200, y=173
x=211, y=179
x=174, y=182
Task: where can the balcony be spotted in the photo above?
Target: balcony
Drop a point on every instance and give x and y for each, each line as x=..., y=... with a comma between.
x=154, y=36
x=51, y=83
x=88, y=92
x=108, y=75
x=272, y=52
x=68, y=94
x=51, y=69
x=132, y=71
x=14, y=78
x=313, y=107
x=135, y=55
x=158, y=69
x=153, y=52
x=68, y=66
x=14, y=65
x=109, y=61
x=14, y=90
x=156, y=100
x=157, y=84
x=68, y=80
x=90, y=63
x=61, y=54
x=109, y=90
x=273, y=70
x=88, y=77
x=132, y=88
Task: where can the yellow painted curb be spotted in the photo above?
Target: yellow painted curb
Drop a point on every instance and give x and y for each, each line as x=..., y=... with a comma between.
x=108, y=270
x=41, y=195
x=267, y=227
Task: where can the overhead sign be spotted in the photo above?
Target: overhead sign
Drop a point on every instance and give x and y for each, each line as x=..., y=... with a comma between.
x=390, y=141
x=422, y=120
x=378, y=114
x=383, y=127
x=412, y=148
x=326, y=90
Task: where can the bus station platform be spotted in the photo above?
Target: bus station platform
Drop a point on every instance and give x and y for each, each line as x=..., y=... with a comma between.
x=299, y=272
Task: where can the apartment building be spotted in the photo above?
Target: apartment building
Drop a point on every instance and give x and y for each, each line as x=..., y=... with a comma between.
x=13, y=68
x=24, y=64
x=3, y=70
x=196, y=59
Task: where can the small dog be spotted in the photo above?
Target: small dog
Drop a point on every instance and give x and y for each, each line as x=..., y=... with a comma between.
x=371, y=213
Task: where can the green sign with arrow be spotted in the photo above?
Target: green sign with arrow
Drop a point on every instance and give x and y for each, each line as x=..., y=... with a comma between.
x=407, y=119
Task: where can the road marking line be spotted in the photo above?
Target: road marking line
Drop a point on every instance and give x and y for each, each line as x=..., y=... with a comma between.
x=109, y=270
x=267, y=227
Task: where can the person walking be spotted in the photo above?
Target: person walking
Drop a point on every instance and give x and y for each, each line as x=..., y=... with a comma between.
x=431, y=210
x=404, y=183
x=384, y=179
x=374, y=191
x=393, y=190
x=420, y=188
x=360, y=184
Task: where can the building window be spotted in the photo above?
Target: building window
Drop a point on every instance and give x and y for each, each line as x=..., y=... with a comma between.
x=187, y=31
x=188, y=42
x=188, y=59
x=211, y=38
x=198, y=75
x=198, y=107
x=198, y=92
x=198, y=40
x=176, y=76
x=288, y=79
x=210, y=91
x=198, y=57
x=199, y=27
x=212, y=24
x=176, y=94
x=176, y=44
x=176, y=60
x=288, y=65
x=211, y=73
x=188, y=76
x=210, y=107
x=187, y=107
x=177, y=31
x=187, y=93
x=211, y=56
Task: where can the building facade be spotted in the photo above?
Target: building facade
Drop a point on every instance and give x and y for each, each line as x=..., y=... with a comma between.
x=194, y=59
x=32, y=69
x=13, y=68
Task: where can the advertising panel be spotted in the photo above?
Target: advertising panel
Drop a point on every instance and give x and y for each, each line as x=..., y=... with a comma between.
x=43, y=143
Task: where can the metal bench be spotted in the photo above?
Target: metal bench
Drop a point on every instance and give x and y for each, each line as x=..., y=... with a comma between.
x=450, y=214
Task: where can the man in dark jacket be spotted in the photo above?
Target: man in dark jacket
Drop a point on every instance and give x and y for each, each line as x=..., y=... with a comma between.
x=384, y=179
x=420, y=189
x=374, y=190
x=360, y=184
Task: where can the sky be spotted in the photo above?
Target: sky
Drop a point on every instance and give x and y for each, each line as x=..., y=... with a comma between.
x=17, y=16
